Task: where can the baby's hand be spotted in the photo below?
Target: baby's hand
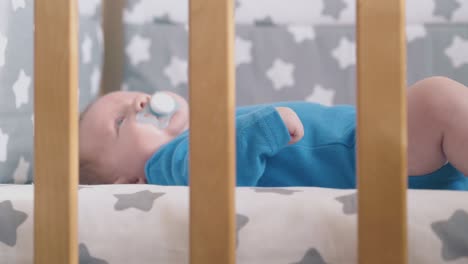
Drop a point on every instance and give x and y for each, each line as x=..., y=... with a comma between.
x=292, y=122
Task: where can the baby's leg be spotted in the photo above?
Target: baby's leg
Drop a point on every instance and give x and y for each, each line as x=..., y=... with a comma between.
x=437, y=125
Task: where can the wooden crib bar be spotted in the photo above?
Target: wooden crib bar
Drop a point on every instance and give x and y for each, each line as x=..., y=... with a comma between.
x=56, y=132
x=212, y=130
x=382, y=138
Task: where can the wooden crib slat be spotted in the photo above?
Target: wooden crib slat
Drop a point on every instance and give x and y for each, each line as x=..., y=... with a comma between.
x=382, y=138
x=212, y=148
x=56, y=132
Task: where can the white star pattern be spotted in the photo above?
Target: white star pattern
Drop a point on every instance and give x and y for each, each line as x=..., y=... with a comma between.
x=345, y=53
x=281, y=12
x=18, y=4
x=243, y=51
x=321, y=95
x=95, y=78
x=414, y=32
x=138, y=50
x=21, y=89
x=461, y=14
x=86, y=48
x=281, y=74
x=88, y=7
x=302, y=33
x=176, y=71
x=147, y=10
x=3, y=45
x=32, y=121
x=458, y=52
x=3, y=145
x=348, y=15
x=100, y=36
x=20, y=175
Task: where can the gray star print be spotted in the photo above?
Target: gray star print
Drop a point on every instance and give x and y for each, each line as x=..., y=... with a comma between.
x=333, y=8
x=445, y=8
x=10, y=220
x=142, y=200
x=312, y=256
x=275, y=190
x=86, y=258
x=241, y=221
x=349, y=203
x=453, y=234
x=267, y=21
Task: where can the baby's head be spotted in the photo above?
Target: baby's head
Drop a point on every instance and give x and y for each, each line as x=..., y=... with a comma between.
x=114, y=147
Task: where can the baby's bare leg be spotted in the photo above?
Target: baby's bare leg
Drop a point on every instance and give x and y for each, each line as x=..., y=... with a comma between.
x=437, y=125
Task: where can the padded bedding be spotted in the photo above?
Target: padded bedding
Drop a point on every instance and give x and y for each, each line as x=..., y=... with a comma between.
x=149, y=224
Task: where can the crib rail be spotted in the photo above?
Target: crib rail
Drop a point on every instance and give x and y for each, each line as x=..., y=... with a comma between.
x=212, y=128
x=381, y=131
x=55, y=132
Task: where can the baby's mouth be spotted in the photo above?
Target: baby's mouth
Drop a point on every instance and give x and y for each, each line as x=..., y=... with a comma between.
x=148, y=118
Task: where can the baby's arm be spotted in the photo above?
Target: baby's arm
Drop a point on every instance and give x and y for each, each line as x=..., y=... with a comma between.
x=260, y=134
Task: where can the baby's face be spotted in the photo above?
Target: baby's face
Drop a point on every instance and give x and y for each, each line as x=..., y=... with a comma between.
x=117, y=144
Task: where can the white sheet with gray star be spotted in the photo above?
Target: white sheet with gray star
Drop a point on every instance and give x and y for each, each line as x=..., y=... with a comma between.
x=121, y=224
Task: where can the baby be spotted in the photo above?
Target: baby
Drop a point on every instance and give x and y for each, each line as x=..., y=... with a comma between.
x=281, y=144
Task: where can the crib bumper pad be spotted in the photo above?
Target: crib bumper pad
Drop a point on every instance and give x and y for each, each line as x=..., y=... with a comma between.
x=149, y=224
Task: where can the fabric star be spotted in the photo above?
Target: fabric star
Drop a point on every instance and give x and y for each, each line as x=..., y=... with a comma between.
x=445, y=8
x=461, y=14
x=176, y=71
x=458, y=52
x=241, y=221
x=3, y=45
x=243, y=51
x=414, y=32
x=349, y=203
x=333, y=8
x=95, y=80
x=21, y=89
x=3, y=146
x=85, y=257
x=250, y=11
x=348, y=14
x=281, y=74
x=88, y=7
x=276, y=191
x=138, y=50
x=311, y=256
x=100, y=36
x=11, y=219
x=142, y=200
x=302, y=33
x=345, y=53
x=20, y=175
x=147, y=10
x=322, y=96
x=86, y=48
x=453, y=235
x=16, y=4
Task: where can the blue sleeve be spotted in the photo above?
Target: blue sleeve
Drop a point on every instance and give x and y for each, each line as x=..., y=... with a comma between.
x=260, y=133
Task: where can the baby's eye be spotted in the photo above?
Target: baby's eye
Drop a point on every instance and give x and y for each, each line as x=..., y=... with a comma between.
x=119, y=121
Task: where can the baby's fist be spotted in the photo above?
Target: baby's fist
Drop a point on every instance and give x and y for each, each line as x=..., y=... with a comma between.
x=292, y=122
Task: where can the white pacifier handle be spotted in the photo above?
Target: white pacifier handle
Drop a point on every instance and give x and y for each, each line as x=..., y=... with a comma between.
x=162, y=104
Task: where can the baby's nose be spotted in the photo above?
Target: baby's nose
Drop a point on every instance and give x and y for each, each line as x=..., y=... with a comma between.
x=140, y=102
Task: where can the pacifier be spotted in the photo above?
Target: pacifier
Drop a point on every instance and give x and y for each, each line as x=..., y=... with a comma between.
x=159, y=110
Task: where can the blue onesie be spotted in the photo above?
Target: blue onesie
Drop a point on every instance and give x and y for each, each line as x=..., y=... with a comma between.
x=325, y=157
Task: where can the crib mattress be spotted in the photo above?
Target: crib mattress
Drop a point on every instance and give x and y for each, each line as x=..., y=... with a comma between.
x=149, y=224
